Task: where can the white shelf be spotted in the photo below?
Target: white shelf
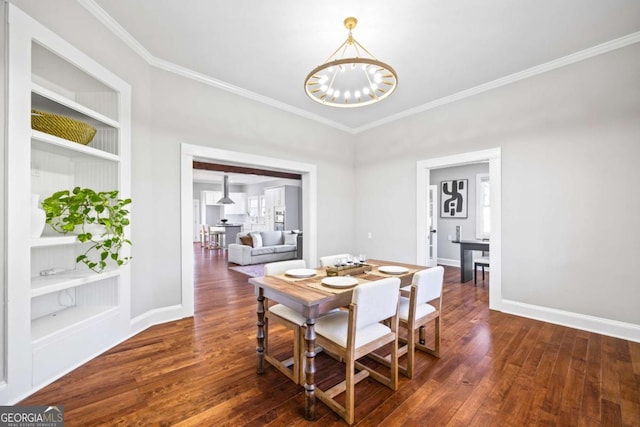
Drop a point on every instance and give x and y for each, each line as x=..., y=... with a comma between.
x=42, y=285
x=56, y=103
x=59, y=321
x=53, y=144
x=54, y=241
x=70, y=239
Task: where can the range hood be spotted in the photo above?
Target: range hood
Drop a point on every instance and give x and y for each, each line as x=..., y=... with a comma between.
x=225, y=195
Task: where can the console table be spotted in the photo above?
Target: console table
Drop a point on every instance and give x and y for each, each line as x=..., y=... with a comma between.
x=466, y=257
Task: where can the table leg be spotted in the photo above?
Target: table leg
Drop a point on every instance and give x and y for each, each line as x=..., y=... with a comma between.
x=466, y=269
x=310, y=370
x=260, y=335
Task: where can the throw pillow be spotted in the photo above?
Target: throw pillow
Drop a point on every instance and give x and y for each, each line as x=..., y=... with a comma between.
x=246, y=240
x=290, y=239
x=257, y=239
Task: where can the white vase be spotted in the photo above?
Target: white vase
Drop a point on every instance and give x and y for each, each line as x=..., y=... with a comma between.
x=38, y=217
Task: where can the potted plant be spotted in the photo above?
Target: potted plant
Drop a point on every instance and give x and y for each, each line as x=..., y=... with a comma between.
x=98, y=217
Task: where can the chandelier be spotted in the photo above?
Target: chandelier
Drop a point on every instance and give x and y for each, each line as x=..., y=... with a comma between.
x=351, y=76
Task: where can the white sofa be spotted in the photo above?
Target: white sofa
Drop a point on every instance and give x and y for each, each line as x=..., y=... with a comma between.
x=273, y=246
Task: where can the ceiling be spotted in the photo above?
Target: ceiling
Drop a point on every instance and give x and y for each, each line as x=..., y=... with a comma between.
x=441, y=49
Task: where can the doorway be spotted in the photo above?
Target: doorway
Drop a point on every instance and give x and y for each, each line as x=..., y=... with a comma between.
x=309, y=203
x=424, y=214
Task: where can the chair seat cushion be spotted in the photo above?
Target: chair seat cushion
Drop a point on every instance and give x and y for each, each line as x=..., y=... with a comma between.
x=287, y=313
x=422, y=310
x=283, y=248
x=482, y=261
x=334, y=328
x=263, y=250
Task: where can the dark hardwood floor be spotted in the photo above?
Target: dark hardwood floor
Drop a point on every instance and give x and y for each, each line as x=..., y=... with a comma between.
x=495, y=369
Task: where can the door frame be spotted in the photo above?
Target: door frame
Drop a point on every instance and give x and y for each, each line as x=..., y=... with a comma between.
x=309, y=204
x=432, y=261
x=423, y=169
x=196, y=220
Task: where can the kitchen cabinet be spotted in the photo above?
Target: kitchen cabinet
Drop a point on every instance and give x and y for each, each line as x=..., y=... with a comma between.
x=278, y=196
x=58, y=322
x=239, y=207
x=285, y=197
x=209, y=197
x=258, y=227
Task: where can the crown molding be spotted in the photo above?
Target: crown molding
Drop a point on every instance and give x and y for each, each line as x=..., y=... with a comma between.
x=111, y=24
x=512, y=78
x=108, y=21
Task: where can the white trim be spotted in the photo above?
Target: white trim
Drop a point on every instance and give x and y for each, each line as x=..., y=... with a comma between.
x=512, y=78
x=449, y=262
x=423, y=168
x=309, y=204
x=599, y=325
x=108, y=21
x=111, y=24
x=155, y=317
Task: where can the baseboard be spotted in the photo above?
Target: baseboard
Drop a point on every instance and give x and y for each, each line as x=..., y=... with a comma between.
x=613, y=328
x=449, y=262
x=155, y=317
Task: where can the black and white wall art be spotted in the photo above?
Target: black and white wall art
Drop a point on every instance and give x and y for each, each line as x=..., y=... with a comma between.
x=454, y=198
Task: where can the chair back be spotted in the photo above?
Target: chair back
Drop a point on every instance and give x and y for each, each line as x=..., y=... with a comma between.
x=376, y=301
x=274, y=268
x=429, y=284
x=329, y=260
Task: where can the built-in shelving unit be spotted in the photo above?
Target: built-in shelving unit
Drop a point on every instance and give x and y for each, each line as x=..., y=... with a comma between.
x=63, y=320
x=52, y=144
x=42, y=285
x=56, y=322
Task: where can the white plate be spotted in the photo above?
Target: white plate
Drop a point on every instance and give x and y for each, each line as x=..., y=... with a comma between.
x=393, y=269
x=339, y=281
x=300, y=272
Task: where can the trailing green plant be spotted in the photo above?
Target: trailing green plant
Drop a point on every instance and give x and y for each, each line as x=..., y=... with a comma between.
x=69, y=211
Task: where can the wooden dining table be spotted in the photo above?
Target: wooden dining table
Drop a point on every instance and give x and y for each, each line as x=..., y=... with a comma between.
x=311, y=298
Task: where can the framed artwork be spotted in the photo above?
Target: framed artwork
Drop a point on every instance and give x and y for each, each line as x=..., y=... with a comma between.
x=454, y=198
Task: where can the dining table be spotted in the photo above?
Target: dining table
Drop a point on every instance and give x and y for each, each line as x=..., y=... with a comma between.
x=311, y=298
x=466, y=256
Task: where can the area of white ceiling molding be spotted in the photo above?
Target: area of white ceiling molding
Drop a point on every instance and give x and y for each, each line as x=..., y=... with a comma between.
x=163, y=64
x=525, y=74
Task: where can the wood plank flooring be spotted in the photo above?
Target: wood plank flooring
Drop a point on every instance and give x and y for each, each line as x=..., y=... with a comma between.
x=495, y=369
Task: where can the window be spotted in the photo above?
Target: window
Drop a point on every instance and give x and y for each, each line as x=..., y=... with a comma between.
x=253, y=206
x=483, y=206
x=256, y=206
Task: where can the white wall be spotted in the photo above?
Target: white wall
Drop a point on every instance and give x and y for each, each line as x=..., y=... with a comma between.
x=168, y=110
x=570, y=143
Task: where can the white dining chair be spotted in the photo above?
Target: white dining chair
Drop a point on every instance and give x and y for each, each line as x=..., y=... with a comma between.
x=289, y=318
x=355, y=333
x=329, y=260
x=423, y=305
x=204, y=236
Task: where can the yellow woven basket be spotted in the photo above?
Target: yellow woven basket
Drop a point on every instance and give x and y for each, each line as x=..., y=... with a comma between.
x=63, y=127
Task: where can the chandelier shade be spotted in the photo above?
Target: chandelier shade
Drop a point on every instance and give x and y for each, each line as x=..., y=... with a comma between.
x=351, y=76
